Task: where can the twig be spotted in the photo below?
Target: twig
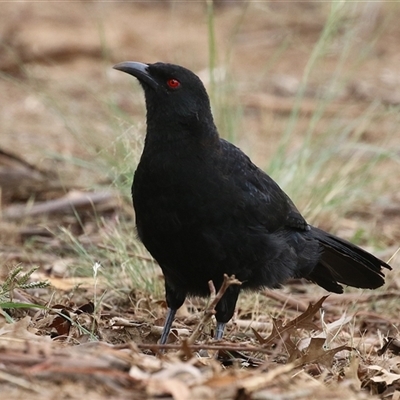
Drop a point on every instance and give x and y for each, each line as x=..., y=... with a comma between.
x=195, y=347
x=212, y=289
x=210, y=310
x=70, y=203
x=249, y=323
x=23, y=383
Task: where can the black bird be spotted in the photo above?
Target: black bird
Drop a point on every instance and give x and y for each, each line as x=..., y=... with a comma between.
x=204, y=209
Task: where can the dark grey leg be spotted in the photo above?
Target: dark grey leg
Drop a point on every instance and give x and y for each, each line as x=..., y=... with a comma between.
x=219, y=333
x=167, y=325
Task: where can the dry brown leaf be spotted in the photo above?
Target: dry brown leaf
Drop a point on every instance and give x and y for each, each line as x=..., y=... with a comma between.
x=61, y=325
x=316, y=353
x=174, y=380
x=396, y=395
x=281, y=333
x=330, y=331
x=255, y=382
x=20, y=330
x=385, y=376
x=284, y=332
x=303, y=321
x=176, y=388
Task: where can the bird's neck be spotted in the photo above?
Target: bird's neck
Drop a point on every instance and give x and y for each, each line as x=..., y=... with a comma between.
x=198, y=131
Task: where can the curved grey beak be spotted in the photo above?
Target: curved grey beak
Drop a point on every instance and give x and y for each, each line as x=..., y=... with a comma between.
x=139, y=71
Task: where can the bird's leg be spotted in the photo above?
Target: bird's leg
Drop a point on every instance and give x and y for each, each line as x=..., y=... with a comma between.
x=219, y=331
x=225, y=309
x=174, y=301
x=167, y=325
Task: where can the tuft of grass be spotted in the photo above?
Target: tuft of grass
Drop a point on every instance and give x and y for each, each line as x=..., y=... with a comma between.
x=17, y=279
x=124, y=261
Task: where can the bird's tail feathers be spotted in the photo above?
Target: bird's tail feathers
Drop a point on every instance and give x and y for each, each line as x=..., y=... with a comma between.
x=345, y=263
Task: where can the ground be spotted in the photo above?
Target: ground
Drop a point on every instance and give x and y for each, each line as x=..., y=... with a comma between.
x=310, y=90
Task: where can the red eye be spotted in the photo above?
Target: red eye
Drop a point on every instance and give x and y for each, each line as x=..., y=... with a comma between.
x=173, y=83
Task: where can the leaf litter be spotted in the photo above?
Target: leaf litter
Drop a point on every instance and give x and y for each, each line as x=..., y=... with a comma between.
x=302, y=356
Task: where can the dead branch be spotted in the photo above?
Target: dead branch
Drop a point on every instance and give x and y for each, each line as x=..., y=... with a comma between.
x=210, y=310
x=71, y=203
x=196, y=347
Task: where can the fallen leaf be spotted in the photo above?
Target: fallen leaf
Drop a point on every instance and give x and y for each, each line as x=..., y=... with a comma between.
x=386, y=376
x=303, y=321
x=281, y=333
x=316, y=353
x=21, y=330
x=331, y=330
x=177, y=389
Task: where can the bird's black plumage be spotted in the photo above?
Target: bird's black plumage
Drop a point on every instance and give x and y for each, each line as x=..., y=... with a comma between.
x=204, y=209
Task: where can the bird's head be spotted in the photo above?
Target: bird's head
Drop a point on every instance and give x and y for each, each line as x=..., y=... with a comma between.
x=174, y=95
